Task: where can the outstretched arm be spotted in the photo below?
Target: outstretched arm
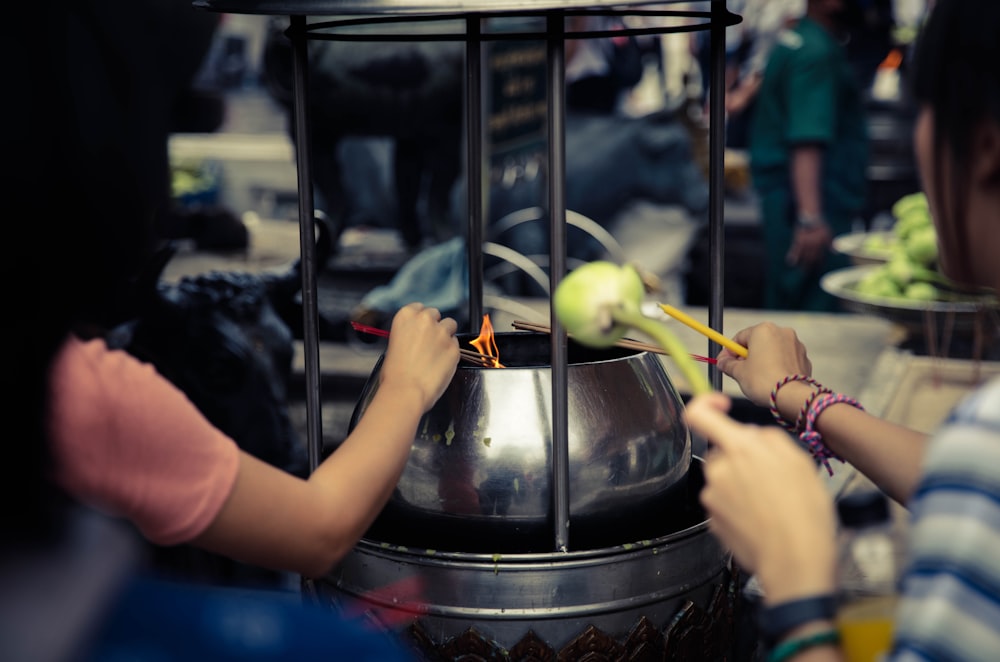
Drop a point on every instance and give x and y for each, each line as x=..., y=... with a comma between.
x=273, y=519
x=890, y=455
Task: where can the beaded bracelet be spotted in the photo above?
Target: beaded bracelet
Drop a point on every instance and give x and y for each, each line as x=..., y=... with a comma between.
x=795, y=428
x=811, y=436
x=788, y=649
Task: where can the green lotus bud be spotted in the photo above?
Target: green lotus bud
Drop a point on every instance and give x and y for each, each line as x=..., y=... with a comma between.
x=587, y=297
x=600, y=301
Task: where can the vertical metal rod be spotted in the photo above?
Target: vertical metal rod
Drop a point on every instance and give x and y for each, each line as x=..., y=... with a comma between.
x=716, y=192
x=307, y=241
x=556, y=79
x=474, y=167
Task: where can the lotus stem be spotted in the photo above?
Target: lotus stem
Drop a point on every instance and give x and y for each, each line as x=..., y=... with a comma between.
x=666, y=339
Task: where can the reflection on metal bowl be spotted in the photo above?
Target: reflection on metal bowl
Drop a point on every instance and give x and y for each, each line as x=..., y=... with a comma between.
x=480, y=468
x=964, y=312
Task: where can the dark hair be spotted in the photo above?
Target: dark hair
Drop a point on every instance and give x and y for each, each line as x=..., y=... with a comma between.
x=76, y=228
x=957, y=73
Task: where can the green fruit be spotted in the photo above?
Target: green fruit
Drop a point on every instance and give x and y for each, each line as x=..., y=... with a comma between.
x=909, y=202
x=920, y=292
x=585, y=301
x=921, y=246
x=914, y=221
x=878, y=284
x=878, y=243
x=900, y=270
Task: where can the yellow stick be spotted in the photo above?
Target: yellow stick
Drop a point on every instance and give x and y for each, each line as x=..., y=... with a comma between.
x=708, y=332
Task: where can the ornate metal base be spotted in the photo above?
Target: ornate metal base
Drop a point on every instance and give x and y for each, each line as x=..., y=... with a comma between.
x=674, y=597
x=693, y=634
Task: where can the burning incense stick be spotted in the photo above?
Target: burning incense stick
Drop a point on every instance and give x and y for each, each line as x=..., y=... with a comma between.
x=477, y=358
x=467, y=354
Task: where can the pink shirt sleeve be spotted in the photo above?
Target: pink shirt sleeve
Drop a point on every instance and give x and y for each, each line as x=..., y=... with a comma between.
x=128, y=442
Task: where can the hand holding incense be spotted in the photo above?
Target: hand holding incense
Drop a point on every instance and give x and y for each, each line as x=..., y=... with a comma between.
x=466, y=354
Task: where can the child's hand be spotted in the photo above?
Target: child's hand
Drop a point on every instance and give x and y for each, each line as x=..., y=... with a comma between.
x=422, y=352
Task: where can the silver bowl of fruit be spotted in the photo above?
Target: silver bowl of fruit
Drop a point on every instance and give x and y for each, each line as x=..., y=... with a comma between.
x=873, y=290
x=896, y=275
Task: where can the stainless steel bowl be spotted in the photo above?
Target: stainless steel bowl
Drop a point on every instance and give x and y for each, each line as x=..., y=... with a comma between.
x=479, y=473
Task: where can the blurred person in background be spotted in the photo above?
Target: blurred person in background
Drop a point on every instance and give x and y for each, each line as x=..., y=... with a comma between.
x=808, y=156
x=599, y=71
x=763, y=21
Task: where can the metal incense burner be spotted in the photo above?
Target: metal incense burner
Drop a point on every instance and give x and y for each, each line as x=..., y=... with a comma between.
x=479, y=473
x=470, y=523
x=628, y=569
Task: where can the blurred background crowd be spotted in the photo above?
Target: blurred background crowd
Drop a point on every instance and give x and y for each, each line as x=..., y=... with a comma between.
x=387, y=146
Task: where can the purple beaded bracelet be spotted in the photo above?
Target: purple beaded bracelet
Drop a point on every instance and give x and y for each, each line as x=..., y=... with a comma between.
x=810, y=435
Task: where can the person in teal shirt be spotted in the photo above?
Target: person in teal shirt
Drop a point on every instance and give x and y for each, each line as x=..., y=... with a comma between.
x=808, y=157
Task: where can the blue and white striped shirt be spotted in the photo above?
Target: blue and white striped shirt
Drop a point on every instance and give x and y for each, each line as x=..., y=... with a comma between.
x=950, y=603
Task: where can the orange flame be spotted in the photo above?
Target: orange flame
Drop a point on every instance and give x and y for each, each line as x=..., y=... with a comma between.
x=486, y=343
x=892, y=60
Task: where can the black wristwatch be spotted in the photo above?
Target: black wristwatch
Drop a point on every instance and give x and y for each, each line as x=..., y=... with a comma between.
x=778, y=620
